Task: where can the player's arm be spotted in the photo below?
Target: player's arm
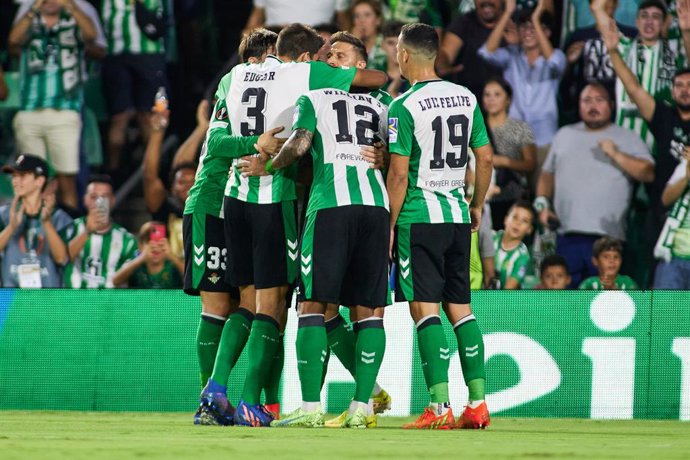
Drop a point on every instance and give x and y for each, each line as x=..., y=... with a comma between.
x=296, y=146
x=483, y=153
x=642, y=99
x=369, y=78
x=400, y=131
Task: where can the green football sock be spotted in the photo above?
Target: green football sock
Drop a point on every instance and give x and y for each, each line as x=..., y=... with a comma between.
x=232, y=343
x=272, y=388
x=434, y=351
x=207, y=339
x=325, y=366
x=341, y=340
x=261, y=348
x=438, y=393
x=311, y=353
x=370, y=348
x=471, y=351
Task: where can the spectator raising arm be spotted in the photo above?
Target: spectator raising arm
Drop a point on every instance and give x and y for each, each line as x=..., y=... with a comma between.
x=542, y=38
x=494, y=40
x=154, y=189
x=609, y=33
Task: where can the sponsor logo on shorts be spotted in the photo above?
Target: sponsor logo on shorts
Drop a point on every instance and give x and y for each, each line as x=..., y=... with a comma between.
x=214, y=278
x=392, y=130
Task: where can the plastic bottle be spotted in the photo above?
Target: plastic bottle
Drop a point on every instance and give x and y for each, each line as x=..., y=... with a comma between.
x=160, y=101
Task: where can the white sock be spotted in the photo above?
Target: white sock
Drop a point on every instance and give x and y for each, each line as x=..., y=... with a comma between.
x=354, y=405
x=377, y=389
x=311, y=406
x=439, y=408
x=370, y=407
x=475, y=404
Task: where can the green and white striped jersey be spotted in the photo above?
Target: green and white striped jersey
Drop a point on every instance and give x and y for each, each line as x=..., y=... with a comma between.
x=123, y=32
x=511, y=263
x=263, y=96
x=100, y=258
x=217, y=153
x=435, y=123
x=342, y=123
x=52, y=66
x=654, y=67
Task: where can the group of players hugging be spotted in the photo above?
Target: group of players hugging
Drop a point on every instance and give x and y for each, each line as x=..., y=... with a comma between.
x=385, y=180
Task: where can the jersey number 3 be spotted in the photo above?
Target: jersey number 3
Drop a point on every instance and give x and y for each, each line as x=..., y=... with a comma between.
x=255, y=100
x=457, y=137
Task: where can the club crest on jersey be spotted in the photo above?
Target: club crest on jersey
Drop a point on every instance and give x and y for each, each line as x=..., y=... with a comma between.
x=221, y=114
x=392, y=130
x=214, y=278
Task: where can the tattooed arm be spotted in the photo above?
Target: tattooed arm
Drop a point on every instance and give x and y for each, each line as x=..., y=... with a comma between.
x=294, y=148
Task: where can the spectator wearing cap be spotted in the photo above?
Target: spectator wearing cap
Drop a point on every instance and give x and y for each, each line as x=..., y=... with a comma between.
x=32, y=251
x=97, y=246
x=533, y=68
x=51, y=38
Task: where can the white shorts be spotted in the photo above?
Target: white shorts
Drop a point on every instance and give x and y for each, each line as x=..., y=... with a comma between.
x=53, y=135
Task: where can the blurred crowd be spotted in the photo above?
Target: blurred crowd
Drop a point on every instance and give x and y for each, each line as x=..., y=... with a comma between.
x=587, y=105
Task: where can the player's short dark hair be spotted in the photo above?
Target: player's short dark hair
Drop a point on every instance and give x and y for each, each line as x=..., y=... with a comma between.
x=327, y=27
x=99, y=179
x=606, y=243
x=554, y=260
x=679, y=72
x=347, y=37
x=653, y=4
x=296, y=39
x=524, y=204
x=420, y=37
x=374, y=4
x=545, y=18
x=391, y=28
x=256, y=43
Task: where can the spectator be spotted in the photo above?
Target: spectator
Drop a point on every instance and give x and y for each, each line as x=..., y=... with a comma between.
x=588, y=61
x=33, y=253
x=97, y=246
x=367, y=18
x=673, y=247
x=588, y=173
x=134, y=68
x=396, y=83
x=512, y=257
x=271, y=13
x=406, y=11
x=156, y=267
x=514, y=147
x=51, y=37
x=166, y=206
x=607, y=257
x=554, y=273
x=651, y=58
x=577, y=14
x=533, y=68
x=457, y=58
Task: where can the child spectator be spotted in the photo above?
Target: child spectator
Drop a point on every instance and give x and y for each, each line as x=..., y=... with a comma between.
x=156, y=267
x=512, y=256
x=554, y=273
x=607, y=256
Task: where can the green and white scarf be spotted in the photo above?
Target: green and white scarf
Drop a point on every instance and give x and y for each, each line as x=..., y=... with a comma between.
x=664, y=246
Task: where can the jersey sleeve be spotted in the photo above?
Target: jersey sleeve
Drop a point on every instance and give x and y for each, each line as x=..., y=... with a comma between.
x=400, y=129
x=221, y=143
x=305, y=115
x=129, y=251
x=479, y=137
x=69, y=232
x=321, y=75
x=587, y=284
x=519, y=268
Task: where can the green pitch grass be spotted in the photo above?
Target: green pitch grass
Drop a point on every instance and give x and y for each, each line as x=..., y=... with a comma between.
x=152, y=436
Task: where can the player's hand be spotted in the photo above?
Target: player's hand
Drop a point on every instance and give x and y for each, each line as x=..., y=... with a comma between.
x=48, y=207
x=16, y=213
x=270, y=144
x=253, y=165
x=575, y=51
x=202, y=114
x=373, y=155
x=475, y=218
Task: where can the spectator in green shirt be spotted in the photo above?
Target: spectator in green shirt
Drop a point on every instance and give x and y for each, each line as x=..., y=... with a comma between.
x=607, y=256
x=156, y=267
x=512, y=257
